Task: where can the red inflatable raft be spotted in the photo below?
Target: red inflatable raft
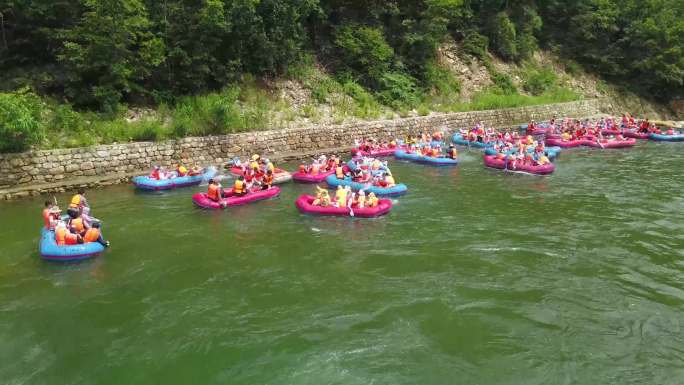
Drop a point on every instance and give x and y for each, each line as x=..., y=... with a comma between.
x=305, y=204
x=279, y=175
x=229, y=199
x=507, y=164
x=304, y=177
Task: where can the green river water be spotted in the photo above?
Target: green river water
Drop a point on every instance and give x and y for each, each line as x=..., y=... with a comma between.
x=475, y=277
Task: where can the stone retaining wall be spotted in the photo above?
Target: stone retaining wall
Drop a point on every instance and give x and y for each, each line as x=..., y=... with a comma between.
x=54, y=170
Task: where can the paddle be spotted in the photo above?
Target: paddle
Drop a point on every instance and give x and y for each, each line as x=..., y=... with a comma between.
x=349, y=204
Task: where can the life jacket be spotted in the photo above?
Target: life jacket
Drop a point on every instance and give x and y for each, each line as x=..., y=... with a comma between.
x=60, y=236
x=239, y=187
x=75, y=201
x=92, y=235
x=270, y=167
x=182, y=171
x=341, y=197
x=373, y=202
x=268, y=180
x=339, y=172
x=302, y=169
x=213, y=192
x=253, y=165
x=77, y=224
x=315, y=168
x=47, y=217
x=155, y=174
x=453, y=153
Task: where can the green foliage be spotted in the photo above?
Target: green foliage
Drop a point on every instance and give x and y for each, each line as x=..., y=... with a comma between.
x=503, y=36
x=398, y=90
x=503, y=84
x=538, y=80
x=476, y=45
x=20, y=121
x=441, y=81
x=364, y=50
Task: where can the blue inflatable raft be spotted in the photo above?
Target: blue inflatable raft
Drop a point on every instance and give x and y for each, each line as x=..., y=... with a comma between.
x=144, y=182
x=457, y=138
x=398, y=189
x=667, y=138
x=418, y=158
x=50, y=251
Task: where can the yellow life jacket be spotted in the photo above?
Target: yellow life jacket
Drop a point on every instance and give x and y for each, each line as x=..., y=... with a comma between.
x=239, y=187
x=341, y=197
x=339, y=172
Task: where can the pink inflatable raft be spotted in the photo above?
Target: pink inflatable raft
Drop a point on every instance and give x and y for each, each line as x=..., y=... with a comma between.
x=305, y=177
x=635, y=134
x=507, y=164
x=611, y=131
x=229, y=199
x=305, y=204
x=376, y=152
x=557, y=141
x=608, y=143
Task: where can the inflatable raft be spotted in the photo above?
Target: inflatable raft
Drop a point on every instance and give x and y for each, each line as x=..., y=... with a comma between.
x=612, y=131
x=305, y=204
x=229, y=199
x=50, y=251
x=375, y=153
x=279, y=175
x=431, y=160
x=558, y=142
x=302, y=177
x=507, y=164
x=634, y=134
x=667, y=138
x=550, y=152
x=395, y=190
x=608, y=143
x=144, y=182
x=457, y=138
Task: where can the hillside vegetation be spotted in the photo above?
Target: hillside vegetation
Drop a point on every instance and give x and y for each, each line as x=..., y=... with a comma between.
x=97, y=71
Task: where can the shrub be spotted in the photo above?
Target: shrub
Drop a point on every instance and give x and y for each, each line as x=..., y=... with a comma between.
x=398, y=90
x=364, y=49
x=476, y=45
x=538, y=80
x=441, y=80
x=20, y=121
x=503, y=84
x=503, y=36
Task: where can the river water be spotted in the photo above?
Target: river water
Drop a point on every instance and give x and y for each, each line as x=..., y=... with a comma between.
x=475, y=277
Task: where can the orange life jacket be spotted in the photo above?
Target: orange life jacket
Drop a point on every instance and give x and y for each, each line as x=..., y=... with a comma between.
x=47, y=218
x=92, y=235
x=213, y=192
x=267, y=179
x=339, y=172
x=77, y=223
x=60, y=236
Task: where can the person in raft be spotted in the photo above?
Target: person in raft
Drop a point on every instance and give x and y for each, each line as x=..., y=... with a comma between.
x=77, y=224
x=240, y=187
x=51, y=214
x=214, y=191
x=93, y=234
x=322, y=197
x=451, y=152
x=267, y=180
x=64, y=237
x=341, y=196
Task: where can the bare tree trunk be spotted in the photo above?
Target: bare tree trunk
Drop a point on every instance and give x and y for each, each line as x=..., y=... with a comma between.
x=2, y=28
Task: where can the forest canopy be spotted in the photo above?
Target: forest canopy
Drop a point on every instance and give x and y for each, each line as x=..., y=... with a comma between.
x=96, y=54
